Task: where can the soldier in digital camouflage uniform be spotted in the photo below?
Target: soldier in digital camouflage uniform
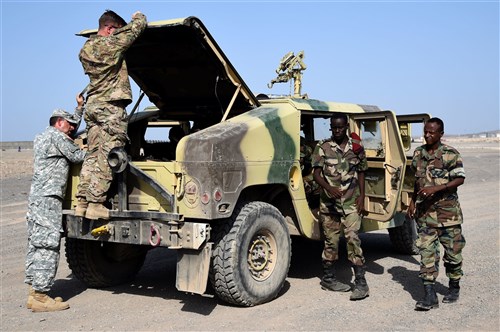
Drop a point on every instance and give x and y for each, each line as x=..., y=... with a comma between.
x=53, y=150
x=439, y=171
x=108, y=93
x=339, y=165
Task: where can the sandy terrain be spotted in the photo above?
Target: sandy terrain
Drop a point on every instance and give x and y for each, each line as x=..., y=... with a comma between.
x=151, y=301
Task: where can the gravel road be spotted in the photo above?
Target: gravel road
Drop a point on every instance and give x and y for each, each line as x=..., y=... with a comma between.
x=151, y=302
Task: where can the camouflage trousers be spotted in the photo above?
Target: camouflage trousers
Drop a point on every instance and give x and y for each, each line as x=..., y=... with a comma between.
x=106, y=129
x=453, y=242
x=332, y=225
x=44, y=223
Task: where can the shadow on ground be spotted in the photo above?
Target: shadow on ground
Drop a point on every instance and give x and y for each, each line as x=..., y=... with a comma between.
x=158, y=275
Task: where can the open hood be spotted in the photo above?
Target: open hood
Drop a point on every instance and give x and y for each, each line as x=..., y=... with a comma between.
x=184, y=72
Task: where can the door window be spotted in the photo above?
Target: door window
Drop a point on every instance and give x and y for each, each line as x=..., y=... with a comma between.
x=371, y=137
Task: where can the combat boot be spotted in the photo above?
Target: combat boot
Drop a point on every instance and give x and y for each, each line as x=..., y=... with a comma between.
x=44, y=303
x=430, y=300
x=30, y=297
x=97, y=211
x=361, y=289
x=453, y=292
x=81, y=208
x=329, y=282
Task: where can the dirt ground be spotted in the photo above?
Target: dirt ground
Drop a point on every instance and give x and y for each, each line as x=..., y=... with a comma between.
x=151, y=302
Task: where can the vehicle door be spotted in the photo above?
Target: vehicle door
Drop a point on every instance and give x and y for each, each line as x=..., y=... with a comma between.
x=411, y=128
x=381, y=138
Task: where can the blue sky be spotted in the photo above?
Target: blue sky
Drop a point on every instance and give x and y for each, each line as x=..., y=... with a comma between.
x=439, y=57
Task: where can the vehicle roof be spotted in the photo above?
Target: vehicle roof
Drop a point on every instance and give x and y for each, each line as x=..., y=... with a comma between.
x=315, y=105
x=183, y=71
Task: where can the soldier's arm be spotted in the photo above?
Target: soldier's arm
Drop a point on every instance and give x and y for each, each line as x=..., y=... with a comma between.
x=412, y=207
x=69, y=149
x=360, y=201
x=456, y=170
x=318, y=163
x=80, y=108
x=456, y=175
x=361, y=168
x=332, y=191
x=125, y=36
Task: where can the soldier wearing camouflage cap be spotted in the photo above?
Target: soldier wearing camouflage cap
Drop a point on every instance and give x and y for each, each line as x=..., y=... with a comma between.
x=439, y=171
x=339, y=165
x=53, y=151
x=108, y=93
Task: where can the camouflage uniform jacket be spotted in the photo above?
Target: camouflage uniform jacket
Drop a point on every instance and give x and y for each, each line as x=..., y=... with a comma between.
x=103, y=60
x=443, y=209
x=340, y=169
x=52, y=151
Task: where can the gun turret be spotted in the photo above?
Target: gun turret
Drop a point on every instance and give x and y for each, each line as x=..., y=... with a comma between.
x=291, y=67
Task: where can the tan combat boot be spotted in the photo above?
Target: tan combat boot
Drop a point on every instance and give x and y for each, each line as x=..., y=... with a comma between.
x=44, y=303
x=30, y=298
x=97, y=211
x=81, y=208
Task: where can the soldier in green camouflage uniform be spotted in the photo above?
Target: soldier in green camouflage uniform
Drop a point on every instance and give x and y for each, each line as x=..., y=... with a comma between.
x=339, y=170
x=108, y=94
x=53, y=150
x=439, y=171
x=310, y=186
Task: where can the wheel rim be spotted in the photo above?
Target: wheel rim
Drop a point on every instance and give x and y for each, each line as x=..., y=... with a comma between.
x=262, y=254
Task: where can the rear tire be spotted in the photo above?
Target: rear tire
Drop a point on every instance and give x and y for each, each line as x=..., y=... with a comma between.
x=103, y=264
x=403, y=237
x=251, y=256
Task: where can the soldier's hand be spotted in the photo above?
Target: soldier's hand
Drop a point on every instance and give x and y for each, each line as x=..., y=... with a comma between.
x=80, y=100
x=411, y=210
x=360, y=205
x=427, y=192
x=335, y=192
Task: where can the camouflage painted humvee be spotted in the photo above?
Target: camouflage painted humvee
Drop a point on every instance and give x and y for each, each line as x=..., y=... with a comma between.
x=230, y=194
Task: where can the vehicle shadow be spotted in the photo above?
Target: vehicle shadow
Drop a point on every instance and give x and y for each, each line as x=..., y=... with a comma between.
x=306, y=255
x=157, y=277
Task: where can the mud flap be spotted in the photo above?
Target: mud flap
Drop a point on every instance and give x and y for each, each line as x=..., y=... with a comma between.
x=192, y=269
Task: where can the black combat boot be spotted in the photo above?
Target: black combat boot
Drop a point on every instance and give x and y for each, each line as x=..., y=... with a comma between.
x=453, y=292
x=430, y=300
x=361, y=289
x=328, y=282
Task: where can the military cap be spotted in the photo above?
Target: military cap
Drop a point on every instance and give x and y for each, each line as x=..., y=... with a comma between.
x=65, y=115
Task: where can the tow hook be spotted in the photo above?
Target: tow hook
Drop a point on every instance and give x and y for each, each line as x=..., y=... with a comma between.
x=102, y=230
x=154, y=236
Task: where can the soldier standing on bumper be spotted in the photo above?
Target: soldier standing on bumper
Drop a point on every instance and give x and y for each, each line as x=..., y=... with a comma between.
x=53, y=150
x=109, y=92
x=438, y=172
x=339, y=164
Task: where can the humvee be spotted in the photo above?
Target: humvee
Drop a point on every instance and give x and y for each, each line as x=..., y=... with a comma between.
x=229, y=195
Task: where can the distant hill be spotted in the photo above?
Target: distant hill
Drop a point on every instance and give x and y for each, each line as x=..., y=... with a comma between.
x=491, y=133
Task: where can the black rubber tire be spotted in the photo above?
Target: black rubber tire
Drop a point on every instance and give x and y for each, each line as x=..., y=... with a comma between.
x=251, y=255
x=103, y=264
x=403, y=237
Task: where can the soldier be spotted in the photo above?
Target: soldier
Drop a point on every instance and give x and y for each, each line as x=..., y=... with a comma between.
x=306, y=165
x=438, y=172
x=53, y=150
x=108, y=93
x=339, y=164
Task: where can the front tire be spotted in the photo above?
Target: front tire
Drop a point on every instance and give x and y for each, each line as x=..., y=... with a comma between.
x=103, y=264
x=251, y=256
